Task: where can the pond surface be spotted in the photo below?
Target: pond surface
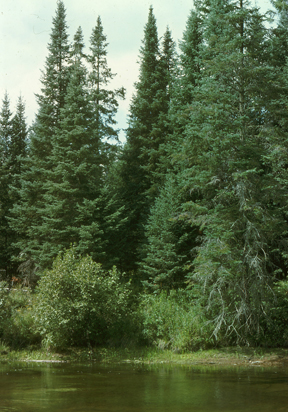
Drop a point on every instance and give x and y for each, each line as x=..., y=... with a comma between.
x=29, y=387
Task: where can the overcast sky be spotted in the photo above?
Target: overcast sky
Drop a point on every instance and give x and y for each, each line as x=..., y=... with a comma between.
x=25, y=27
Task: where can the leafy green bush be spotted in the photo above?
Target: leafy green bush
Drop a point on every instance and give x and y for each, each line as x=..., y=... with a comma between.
x=16, y=320
x=171, y=321
x=80, y=304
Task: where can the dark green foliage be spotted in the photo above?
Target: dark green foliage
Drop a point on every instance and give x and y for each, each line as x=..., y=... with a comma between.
x=60, y=195
x=190, y=58
x=5, y=180
x=5, y=128
x=54, y=80
x=18, y=141
x=193, y=207
x=104, y=100
x=140, y=165
x=73, y=185
x=275, y=326
x=13, y=142
x=170, y=241
x=233, y=191
x=78, y=303
x=28, y=212
x=279, y=34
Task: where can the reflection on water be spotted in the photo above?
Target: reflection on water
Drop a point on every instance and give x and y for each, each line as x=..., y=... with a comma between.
x=29, y=387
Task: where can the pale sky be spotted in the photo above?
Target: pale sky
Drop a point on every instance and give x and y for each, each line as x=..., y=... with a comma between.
x=25, y=27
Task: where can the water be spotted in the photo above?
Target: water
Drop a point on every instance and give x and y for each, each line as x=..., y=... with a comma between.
x=29, y=387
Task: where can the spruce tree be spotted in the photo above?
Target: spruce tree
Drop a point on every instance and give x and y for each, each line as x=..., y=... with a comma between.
x=54, y=81
x=279, y=34
x=148, y=129
x=5, y=128
x=275, y=130
x=18, y=141
x=61, y=201
x=73, y=185
x=5, y=180
x=18, y=148
x=232, y=193
x=104, y=99
x=13, y=135
x=170, y=241
x=158, y=159
x=27, y=214
x=190, y=58
x=148, y=121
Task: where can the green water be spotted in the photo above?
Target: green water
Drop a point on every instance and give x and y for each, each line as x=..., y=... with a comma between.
x=29, y=387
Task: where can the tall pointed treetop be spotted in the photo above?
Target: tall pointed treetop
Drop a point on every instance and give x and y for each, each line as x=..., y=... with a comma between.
x=5, y=127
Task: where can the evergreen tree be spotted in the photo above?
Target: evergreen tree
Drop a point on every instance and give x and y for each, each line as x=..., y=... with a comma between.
x=148, y=129
x=233, y=193
x=62, y=182
x=104, y=100
x=188, y=73
x=54, y=81
x=18, y=141
x=5, y=179
x=159, y=162
x=17, y=157
x=27, y=214
x=148, y=122
x=279, y=34
x=170, y=241
x=190, y=58
x=275, y=130
x=5, y=128
x=73, y=185
x=13, y=134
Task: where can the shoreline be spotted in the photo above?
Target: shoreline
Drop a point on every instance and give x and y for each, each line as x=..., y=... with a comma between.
x=232, y=356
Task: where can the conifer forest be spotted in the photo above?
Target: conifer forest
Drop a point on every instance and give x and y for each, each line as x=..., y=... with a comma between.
x=177, y=238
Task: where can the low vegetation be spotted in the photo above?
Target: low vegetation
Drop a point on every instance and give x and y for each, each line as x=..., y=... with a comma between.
x=78, y=305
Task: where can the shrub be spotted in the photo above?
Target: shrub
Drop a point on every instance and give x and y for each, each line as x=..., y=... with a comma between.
x=80, y=304
x=16, y=320
x=172, y=321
